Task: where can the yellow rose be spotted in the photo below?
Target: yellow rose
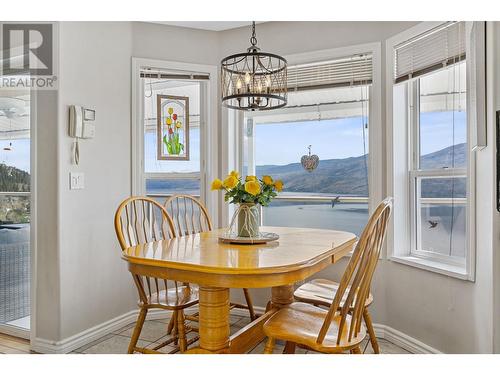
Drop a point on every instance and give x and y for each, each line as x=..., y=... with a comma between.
x=169, y=121
x=252, y=187
x=216, y=184
x=278, y=185
x=178, y=124
x=251, y=178
x=170, y=110
x=230, y=182
x=268, y=180
x=235, y=174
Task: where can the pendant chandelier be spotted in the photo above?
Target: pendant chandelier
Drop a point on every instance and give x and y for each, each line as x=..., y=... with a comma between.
x=254, y=80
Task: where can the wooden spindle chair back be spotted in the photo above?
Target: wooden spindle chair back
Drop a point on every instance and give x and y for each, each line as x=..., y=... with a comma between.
x=189, y=215
x=357, y=277
x=139, y=220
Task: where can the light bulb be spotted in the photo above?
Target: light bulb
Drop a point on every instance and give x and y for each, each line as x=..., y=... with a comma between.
x=247, y=78
x=259, y=87
x=238, y=86
x=268, y=81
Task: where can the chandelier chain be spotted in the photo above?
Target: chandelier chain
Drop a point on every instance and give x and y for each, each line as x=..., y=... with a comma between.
x=253, y=39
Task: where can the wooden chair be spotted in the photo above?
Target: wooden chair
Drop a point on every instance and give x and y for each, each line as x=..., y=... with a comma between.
x=190, y=216
x=320, y=292
x=338, y=329
x=139, y=220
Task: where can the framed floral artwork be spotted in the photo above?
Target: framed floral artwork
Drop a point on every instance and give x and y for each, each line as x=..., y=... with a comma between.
x=172, y=127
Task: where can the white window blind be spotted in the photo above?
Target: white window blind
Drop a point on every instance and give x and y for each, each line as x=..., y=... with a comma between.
x=433, y=50
x=347, y=71
x=162, y=74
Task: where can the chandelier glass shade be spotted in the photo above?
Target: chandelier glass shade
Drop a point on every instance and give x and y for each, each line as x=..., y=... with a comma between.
x=254, y=80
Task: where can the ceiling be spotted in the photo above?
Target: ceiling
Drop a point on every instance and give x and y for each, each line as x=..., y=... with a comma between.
x=208, y=25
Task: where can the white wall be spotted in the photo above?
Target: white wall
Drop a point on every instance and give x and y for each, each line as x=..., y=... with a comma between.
x=95, y=63
x=83, y=282
x=494, y=105
x=47, y=293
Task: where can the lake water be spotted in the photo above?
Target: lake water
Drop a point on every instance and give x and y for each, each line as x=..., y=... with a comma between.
x=350, y=217
x=438, y=234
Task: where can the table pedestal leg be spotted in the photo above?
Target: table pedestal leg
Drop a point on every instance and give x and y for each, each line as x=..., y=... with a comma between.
x=214, y=319
x=281, y=295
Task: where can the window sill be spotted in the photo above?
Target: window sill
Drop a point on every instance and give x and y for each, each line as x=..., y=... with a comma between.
x=458, y=272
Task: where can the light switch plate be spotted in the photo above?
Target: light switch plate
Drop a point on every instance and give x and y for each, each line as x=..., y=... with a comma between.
x=76, y=180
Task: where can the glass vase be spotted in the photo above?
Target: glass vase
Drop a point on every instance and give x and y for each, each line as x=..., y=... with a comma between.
x=248, y=220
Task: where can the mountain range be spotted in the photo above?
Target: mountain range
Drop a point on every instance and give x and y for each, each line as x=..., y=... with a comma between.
x=349, y=176
x=13, y=179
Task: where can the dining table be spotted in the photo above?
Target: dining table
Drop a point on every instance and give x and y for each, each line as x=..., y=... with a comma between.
x=216, y=267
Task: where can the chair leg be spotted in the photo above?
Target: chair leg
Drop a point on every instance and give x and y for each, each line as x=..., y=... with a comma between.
x=171, y=323
x=269, y=346
x=289, y=348
x=249, y=303
x=175, y=331
x=181, y=329
x=137, y=330
x=356, y=350
x=371, y=331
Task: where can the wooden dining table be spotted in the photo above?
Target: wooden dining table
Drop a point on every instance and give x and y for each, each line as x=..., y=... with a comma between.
x=217, y=267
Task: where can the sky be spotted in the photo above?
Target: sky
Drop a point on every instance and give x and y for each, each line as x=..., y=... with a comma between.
x=18, y=156
x=282, y=144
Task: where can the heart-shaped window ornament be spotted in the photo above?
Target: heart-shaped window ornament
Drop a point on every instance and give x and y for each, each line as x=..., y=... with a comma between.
x=309, y=162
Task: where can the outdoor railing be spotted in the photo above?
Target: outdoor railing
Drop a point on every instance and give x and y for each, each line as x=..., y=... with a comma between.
x=14, y=256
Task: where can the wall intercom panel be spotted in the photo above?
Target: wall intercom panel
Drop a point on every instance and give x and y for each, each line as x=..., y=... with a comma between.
x=81, y=122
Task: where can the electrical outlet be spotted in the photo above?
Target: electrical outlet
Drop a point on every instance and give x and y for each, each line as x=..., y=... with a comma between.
x=76, y=180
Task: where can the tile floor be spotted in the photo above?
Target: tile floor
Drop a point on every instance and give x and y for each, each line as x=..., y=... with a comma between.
x=153, y=333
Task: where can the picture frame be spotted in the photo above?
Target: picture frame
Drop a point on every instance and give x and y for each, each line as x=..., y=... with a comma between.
x=172, y=127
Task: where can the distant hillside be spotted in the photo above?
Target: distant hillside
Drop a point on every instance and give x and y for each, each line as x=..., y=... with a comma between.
x=348, y=176
x=13, y=179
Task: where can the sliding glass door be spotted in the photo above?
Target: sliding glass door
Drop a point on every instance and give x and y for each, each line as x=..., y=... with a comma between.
x=15, y=216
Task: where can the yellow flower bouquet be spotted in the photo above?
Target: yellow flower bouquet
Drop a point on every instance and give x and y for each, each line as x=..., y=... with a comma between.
x=251, y=190
x=248, y=194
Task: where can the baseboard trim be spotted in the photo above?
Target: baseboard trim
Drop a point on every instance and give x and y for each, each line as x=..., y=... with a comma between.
x=69, y=344
x=403, y=340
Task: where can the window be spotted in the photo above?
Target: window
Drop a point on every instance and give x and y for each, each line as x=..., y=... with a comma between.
x=438, y=173
x=332, y=115
x=167, y=177
x=430, y=162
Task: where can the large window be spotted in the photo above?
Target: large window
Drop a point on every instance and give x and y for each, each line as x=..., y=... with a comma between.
x=438, y=174
x=432, y=165
x=167, y=177
x=334, y=121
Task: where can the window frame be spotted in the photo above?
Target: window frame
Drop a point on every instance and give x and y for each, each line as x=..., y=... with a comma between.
x=208, y=140
x=234, y=121
x=402, y=173
x=415, y=172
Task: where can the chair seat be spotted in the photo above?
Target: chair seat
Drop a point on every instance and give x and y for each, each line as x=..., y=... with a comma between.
x=174, y=299
x=301, y=322
x=322, y=292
